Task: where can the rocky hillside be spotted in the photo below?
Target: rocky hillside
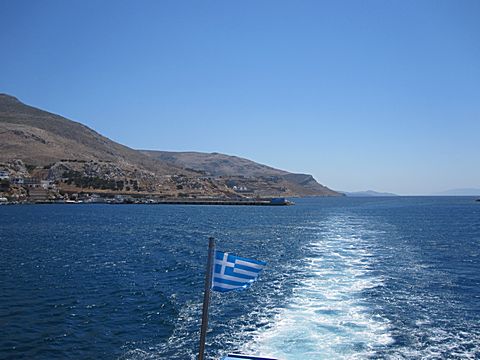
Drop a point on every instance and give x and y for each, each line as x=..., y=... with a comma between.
x=215, y=164
x=243, y=171
x=39, y=138
x=76, y=157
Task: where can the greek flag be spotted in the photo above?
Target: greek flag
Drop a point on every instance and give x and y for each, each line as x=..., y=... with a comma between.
x=231, y=272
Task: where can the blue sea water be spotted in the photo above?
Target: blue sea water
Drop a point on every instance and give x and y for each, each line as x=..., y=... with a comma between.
x=347, y=278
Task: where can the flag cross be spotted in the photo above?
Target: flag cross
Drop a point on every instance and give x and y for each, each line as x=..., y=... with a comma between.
x=224, y=263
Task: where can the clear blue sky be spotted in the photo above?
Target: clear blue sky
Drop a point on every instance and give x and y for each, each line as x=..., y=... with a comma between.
x=381, y=95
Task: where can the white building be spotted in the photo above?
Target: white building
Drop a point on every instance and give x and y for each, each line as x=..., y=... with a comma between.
x=47, y=184
x=4, y=175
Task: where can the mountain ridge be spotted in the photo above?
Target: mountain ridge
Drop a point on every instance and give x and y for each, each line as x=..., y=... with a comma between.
x=43, y=139
x=368, y=193
x=217, y=164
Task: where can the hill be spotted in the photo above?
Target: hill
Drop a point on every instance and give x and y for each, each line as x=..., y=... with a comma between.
x=214, y=163
x=39, y=138
x=76, y=158
x=243, y=170
x=368, y=193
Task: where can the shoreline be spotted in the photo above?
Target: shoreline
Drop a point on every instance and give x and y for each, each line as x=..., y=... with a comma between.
x=263, y=202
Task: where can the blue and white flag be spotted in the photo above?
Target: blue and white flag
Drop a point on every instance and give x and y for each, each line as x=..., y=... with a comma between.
x=231, y=272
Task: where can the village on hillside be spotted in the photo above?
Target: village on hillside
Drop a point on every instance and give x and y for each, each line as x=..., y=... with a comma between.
x=72, y=181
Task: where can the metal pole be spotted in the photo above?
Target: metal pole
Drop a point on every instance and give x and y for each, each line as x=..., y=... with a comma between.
x=206, y=297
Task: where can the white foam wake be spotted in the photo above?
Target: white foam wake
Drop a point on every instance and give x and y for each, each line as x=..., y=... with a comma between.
x=328, y=316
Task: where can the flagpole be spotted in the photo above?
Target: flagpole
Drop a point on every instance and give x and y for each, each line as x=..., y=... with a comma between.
x=206, y=297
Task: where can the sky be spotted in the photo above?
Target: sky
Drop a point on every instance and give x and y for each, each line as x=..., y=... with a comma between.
x=381, y=95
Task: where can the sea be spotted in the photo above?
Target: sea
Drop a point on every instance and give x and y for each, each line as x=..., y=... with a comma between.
x=346, y=278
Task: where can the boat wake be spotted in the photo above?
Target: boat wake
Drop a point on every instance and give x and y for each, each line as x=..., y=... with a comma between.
x=328, y=315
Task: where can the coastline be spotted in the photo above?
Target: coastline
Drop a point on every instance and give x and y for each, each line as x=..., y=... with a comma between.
x=246, y=202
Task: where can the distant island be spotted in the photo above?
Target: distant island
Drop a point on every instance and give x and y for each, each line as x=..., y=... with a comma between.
x=45, y=157
x=367, y=193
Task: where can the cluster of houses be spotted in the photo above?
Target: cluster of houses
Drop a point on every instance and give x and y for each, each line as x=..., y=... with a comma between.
x=17, y=188
x=30, y=182
x=241, y=189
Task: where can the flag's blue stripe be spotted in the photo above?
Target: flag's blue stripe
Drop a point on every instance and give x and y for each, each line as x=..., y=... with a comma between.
x=230, y=282
x=246, y=357
x=230, y=271
x=258, y=262
x=231, y=258
x=220, y=289
x=238, y=288
x=218, y=269
x=248, y=268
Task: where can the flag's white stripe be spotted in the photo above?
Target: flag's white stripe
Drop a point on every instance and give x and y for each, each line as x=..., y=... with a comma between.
x=232, y=278
x=250, y=264
x=228, y=286
x=239, y=262
x=245, y=272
